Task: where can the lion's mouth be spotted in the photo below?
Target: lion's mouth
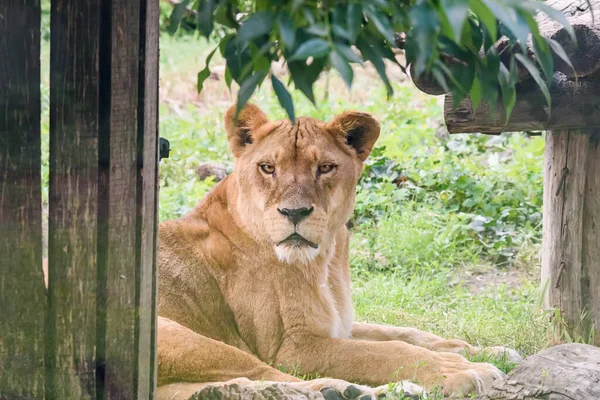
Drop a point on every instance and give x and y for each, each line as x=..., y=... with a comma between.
x=297, y=240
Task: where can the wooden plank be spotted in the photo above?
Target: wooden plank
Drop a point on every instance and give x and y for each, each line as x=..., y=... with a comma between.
x=147, y=198
x=72, y=250
x=22, y=292
x=118, y=207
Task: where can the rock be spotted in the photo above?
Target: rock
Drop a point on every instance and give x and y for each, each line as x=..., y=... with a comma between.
x=260, y=392
x=207, y=169
x=564, y=372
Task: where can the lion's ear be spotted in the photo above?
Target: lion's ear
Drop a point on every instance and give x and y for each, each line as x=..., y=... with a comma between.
x=239, y=133
x=358, y=130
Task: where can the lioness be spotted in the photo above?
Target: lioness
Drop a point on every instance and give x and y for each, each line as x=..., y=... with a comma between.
x=257, y=274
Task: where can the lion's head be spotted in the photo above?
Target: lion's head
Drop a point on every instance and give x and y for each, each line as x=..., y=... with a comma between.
x=297, y=182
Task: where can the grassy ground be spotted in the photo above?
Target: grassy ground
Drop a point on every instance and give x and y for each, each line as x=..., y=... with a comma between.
x=447, y=229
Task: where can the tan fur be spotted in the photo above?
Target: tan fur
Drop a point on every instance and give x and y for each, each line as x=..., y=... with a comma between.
x=232, y=303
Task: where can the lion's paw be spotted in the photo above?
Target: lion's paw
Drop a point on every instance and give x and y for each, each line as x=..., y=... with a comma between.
x=335, y=389
x=400, y=390
x=462, y=377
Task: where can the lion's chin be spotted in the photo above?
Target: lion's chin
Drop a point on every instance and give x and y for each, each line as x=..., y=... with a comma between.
x=292, y=254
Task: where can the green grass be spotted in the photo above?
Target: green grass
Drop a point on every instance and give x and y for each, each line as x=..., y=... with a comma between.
x=469, y=205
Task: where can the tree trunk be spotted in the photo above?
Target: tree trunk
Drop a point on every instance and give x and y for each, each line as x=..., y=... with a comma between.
x=571, y=244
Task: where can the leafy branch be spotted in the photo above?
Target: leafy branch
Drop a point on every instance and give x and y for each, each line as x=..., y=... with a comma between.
x=453, y=41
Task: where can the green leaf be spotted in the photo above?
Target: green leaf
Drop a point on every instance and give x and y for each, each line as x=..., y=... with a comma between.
x=284, y=97
x=553, y=13
x=377, y=61
x=247, y=88
x=238, y=59
x=511, y=21
x=318, y=29
x=354, y=21
x=439, y=77
x=228, y=77
x=205, y=73
x=348, y=53
x=535, y=74
x=339, y=32
x=259, y=61
x=315, y=48
x=509, y=94
x=225, y=15
x=475, y=94
x=486, y=17
x=457, y=12
x=560, y=52
x=179, y=11
x=541, y=49
x=259, y=24
x=287, y=30
x=304, y=76
x=206, y=9
x=421, y=44
x=382, y=23
x=543, y=56
x=341, y=65
x=457, y=86
x=296, y=4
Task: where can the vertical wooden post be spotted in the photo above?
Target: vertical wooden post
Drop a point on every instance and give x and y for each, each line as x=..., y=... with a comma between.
x=571, y=243
x=103, y=154
x=71, y=343
x=22, y=293
x=147, y=198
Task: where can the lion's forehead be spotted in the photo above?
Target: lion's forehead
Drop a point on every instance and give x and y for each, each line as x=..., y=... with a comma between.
x=307, y=140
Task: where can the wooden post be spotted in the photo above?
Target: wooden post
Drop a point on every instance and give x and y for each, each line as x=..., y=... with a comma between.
x=102, y=218
x=571, y=243
x=22, y=293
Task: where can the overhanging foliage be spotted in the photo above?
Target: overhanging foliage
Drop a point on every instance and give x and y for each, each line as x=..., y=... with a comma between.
x=452, y=41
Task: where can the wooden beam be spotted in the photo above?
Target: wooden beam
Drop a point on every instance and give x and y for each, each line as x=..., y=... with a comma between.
x=22, y=292
x=575, y=105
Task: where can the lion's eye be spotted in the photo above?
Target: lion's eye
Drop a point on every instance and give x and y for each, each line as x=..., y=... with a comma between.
x=326, y=168
x=267, y=169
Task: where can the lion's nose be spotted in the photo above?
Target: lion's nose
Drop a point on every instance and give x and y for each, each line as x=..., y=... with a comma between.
x=296, y=214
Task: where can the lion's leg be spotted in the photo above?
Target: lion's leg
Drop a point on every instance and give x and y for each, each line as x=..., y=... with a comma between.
x=184, y=355
x=377, y=363
x=375, y=332
x=189, y=362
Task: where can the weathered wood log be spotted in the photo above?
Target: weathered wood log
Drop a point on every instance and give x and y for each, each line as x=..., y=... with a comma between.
x=571, y=236
x=575, y=105
x=565, y=372
x=585, y=54
x=22, y=293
